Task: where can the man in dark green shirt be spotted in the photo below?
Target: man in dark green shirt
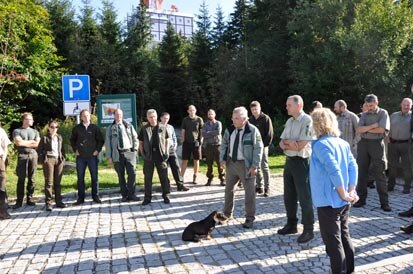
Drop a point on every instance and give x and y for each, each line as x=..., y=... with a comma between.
x=191, y=140
x=26, y=139
x=372, y=127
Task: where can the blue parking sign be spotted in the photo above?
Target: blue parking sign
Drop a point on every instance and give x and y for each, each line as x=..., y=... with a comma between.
x=75, y=88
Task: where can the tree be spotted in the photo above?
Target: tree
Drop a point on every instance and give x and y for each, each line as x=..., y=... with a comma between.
x=29, y=78
x=108, y=63
x=88, y=44
x=321, y=67
x=172, y=77
x=267, y=52
x=347, y=49
x=64, y=27
x=139, y=64
x=218, y=31
x=235, y=34
x=200, y=63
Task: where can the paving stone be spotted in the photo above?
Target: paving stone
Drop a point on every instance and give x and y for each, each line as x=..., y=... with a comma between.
x=127, y=238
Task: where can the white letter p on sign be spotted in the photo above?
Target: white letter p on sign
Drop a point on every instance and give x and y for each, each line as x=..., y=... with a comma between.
x=74, y=85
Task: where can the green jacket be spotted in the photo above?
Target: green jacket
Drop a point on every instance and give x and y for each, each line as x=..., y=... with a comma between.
x=112, y=139
x=252, y=146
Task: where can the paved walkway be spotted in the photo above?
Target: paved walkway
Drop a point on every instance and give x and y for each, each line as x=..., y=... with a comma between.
x=116, y=237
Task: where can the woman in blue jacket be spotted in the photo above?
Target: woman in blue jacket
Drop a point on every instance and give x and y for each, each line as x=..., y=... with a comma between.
x=333, y=178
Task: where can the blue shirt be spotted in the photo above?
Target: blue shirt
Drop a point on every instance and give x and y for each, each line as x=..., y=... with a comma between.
x=331, y=165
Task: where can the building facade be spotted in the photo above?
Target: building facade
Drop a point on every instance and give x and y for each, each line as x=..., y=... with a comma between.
x=183, y=23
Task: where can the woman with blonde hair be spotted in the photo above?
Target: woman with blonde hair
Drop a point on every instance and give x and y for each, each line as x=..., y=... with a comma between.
x=333, y=179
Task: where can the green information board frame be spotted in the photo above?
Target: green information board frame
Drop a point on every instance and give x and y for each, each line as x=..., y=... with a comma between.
x=107, y=104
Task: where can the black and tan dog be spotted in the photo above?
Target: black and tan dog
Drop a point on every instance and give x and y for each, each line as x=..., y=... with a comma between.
x=196, y=231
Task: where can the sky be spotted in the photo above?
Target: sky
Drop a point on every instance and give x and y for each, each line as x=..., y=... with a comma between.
x=187, y=6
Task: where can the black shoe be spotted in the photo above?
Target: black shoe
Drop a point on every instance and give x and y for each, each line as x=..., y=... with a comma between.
x=48, y=207
x=259, y=190
x=133, y=198
x=194, y=180
x=79, y=202
x=305, y=237
x=124, y=199
x=407, y=213
x=386, y=208
x=248, y=224
x=222, y=183
x=146, y=202
x=166, y=200
x=406, y=191
x=181, y=187
x=266, y=193
x=371, y=185
x=30, y=203
x=209, y=182
x=407, y=229
x=287, y=229
x=17, y=205
x=360, y=203
x=97, y=200
x=61, y=205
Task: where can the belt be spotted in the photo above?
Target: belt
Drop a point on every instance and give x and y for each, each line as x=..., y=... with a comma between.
x=51, y=156
x=125, y=150
x=399, y=141
x=27, y=152
x=230, y=159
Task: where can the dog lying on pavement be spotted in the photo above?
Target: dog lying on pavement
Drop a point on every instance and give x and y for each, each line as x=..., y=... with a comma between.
x=196, y=231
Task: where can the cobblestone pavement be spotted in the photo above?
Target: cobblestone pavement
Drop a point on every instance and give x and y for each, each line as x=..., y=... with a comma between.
x=115, y=237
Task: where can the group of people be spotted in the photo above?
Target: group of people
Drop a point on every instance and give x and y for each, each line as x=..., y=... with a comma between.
x=329, y=141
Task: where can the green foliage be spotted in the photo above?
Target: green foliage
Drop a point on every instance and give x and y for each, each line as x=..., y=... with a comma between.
x=321, y=49
x=173, y=75
x=200, y=63
x=64, y=27
x=109, y=51
x=139, y=61
x=347, y=49
x=28, y=63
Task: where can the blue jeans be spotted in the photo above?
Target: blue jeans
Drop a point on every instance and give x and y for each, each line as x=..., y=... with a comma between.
x=92, y=164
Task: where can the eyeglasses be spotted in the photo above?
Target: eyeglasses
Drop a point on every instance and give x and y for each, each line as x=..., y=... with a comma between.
x=53, y=127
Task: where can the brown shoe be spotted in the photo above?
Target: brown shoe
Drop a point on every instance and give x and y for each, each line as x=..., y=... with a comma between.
x=4, y=214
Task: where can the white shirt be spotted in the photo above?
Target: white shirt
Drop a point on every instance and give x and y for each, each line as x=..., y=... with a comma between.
x=55, y=147
x=4, y=142
x=126, y=142
x=240, y=155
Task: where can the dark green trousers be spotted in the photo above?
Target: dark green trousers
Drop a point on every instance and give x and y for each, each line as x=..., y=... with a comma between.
x=297, y=189
x=398, y=151
x=371, y=152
